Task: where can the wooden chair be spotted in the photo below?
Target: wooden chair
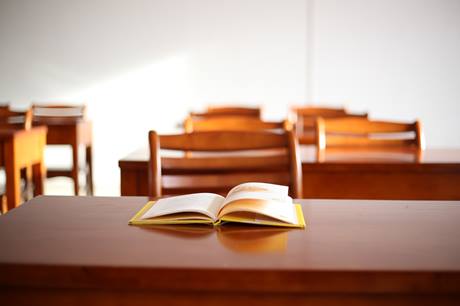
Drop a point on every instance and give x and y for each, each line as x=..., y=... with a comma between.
x=305, y=120
x=216, y=111
x=222, y=159
x=16, y=120
x=362, y=133
x=67, y=125
x=232, y=123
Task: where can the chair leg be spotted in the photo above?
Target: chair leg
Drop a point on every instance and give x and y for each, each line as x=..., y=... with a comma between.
x=13, y=183
x=89, y=175
x=3, y=207
x=26, y=173
x=75, y=168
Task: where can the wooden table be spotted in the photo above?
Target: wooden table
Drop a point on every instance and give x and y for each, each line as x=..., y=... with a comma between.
x=74, y=132
x=81, y=251
x=20, y=148
x=433, y=175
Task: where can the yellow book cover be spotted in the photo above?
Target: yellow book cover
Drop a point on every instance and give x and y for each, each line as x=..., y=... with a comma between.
x=252, y=203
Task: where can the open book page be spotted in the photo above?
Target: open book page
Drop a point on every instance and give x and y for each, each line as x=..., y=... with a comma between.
x=207, y=204
x=258, y=187
x=259, y=210
x=259, y=191
x=260, y=198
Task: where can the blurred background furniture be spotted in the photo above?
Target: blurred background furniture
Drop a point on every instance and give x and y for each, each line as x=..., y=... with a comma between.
x=68, y=125
x=362, y=132
x=15, y=119
x=21, y=155
x=305, y=120
x=220, y=160
x=347, y=174
x=232, y=123
x=216, y=111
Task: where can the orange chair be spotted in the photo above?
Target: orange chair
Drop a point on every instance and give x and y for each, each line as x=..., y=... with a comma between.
x=305, y=120
x=359, y=133
x=21, y=149
x=219, y=160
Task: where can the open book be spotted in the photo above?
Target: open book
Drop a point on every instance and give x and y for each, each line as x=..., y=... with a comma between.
x=255, y=203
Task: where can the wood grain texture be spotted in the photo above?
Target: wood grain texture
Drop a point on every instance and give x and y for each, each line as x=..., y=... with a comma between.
x=74, y=249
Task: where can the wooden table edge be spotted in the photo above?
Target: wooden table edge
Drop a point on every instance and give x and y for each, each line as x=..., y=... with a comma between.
x=230, y=280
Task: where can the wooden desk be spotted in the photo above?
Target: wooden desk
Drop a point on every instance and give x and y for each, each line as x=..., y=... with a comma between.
x=80, y=250
x=433, y=175
x=73, y=132
x=20, y=148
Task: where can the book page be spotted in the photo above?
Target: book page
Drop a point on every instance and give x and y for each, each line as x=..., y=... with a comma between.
x=203, y=203
x=261, y=198
x=259, y=191
x=285, y=212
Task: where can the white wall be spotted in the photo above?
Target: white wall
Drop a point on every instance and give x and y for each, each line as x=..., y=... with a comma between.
x=397, y=59
x=142, y=64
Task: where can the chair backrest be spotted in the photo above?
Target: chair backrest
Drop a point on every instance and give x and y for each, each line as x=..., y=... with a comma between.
x=216, y=161
x=305, y=120
x=232, y=123
x=364, y=133
x=50, y=111
x=216, y=111
x=15, y=119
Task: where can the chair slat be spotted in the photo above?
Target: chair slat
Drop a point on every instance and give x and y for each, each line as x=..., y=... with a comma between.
x=231, y=123
x=227, y=163
x=334, y=140
x=360, y=125
x=223, y=141
x=316, y=111
x=229, y=110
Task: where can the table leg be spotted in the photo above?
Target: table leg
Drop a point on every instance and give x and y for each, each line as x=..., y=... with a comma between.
x=75, y=168
x=39, y=174
x=89, y=175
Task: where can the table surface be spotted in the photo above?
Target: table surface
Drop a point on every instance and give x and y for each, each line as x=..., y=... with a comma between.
x=78, y=238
